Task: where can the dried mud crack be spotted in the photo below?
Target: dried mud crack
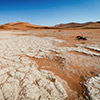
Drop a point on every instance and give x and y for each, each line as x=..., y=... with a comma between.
x=34, y=67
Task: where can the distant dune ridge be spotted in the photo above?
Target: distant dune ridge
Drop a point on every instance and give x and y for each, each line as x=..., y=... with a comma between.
x=73, y=24
x=80, y=25
x=28, y=26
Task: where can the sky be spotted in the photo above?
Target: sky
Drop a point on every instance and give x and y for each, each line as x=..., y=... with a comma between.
x=49, y=12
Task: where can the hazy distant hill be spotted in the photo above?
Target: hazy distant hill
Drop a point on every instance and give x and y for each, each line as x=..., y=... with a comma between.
x=86, y=25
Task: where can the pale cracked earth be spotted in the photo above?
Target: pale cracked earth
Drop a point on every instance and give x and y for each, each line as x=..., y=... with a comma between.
x=21, y=78
x=93, y=87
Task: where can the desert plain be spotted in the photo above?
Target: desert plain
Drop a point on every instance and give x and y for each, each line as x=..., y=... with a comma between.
x=49, y=63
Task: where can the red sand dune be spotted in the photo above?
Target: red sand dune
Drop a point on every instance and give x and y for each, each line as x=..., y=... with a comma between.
x=19, y=26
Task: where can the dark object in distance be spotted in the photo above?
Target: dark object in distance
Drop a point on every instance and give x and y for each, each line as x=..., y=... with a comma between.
x=81, y=38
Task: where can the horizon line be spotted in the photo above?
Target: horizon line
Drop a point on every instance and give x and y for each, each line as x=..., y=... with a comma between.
x=81, y=22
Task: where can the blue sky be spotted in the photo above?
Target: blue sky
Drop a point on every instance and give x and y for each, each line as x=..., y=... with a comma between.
x=49, y=12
